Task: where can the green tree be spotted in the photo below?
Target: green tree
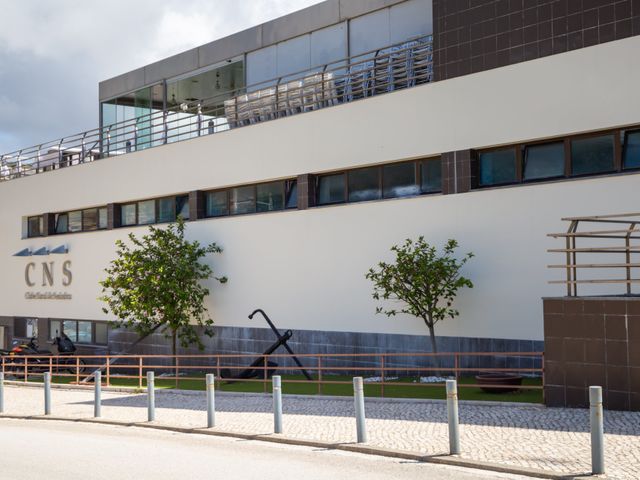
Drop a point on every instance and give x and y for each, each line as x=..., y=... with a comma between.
x=156, y=282
x=422, y=281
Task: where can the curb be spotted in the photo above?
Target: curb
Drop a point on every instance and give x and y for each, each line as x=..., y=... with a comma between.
x=169, y=391
x=449, y=460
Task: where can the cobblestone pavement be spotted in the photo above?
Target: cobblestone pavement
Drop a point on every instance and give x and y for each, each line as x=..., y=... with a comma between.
x=525, y=436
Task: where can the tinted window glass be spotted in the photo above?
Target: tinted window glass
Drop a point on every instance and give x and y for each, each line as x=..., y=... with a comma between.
x=364, y=184
x=592, y=155
x=331, y=189
x=75, y=221
x=217, y=204
x=182, y=206
x=292, y=194
x=84, y=332
x=62, y=223
x=431, y=172
x=35, y=226
x=243, y=200
x=399, y=180
x=166, y=209
x=103, y=219
x=270, y=197
x=544, y=161
x=498, y=167
x=128, y=214
x=102, y=334
x=146, y=212
x=632, y=150
x=90, y=219
x=70, y=329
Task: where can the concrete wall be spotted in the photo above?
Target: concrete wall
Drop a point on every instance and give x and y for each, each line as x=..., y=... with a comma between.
x=306, y=268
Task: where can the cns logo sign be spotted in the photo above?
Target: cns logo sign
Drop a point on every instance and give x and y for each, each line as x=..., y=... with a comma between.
x=48, y=275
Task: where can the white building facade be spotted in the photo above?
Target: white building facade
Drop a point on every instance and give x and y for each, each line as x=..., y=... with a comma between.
x=304, y=203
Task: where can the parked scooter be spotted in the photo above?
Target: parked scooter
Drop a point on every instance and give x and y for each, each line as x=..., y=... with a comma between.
x=39, y=359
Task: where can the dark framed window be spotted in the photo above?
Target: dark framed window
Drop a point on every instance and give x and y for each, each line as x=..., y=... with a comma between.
x=182, y=206
x=128, y=215
x=431, y=175
x=146, y=212
x=75, y=221
x=331, y=189
x=593, y=155
x=35, y=226
x=631, y=152
x=62, y=222
x=80, y=331
x=364, y=184
x=270, y=197
x=544, y=160
x=166, y=210
x=103, y=218
x=242, y=200
x=498, y=167
x=90, y=219
x=399, y=180
x=217, y=203
x=291, y=194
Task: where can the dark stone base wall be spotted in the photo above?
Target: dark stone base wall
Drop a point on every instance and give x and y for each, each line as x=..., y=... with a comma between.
x=235, y=340
x=592, y=341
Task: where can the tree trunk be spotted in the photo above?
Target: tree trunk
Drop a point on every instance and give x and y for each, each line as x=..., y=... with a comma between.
x=434, y=347
x=174, y=345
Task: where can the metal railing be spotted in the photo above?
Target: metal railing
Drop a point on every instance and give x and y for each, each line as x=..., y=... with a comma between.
x=603, y=242
x=376, y=72
x=386, y=370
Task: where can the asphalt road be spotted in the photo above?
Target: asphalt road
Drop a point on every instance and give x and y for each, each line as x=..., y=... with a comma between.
x=59, y=450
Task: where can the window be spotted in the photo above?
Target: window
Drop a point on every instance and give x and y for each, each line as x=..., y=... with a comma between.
x=75, y=221
x=364, y=184
x=632, y=149
x=270, y=197
x=80, y=331
x=90, y=219
x=291, y=193
x=592, y=155
x=85, y=332
x=103, y=218
x=498, y=167
x=146, y=212
x=182, y=206
x=544, y=161
x=331, y=189
x=431, y=175
x=166, y=210
x=243, y=200
x=70, y=329
x=35, y=226
x=216, y=204
x=55, y=328
x=399, y=180
x=128, y=214
x=101, y=333
x=62, y=223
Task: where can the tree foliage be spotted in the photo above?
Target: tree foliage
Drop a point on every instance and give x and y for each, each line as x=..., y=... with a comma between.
x=156, y=281
x=423, y=282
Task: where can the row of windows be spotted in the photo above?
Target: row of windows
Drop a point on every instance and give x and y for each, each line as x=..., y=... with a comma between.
x=586, y=156
x=387, y=181
x=263, y=197
x=80, y=331
x=161, y=210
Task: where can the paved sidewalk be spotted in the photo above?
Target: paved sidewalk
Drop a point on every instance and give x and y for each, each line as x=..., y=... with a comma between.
x=555, y=440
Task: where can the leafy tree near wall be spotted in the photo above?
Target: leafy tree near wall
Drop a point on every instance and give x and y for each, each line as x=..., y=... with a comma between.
x=156, y=282
x=423, y=282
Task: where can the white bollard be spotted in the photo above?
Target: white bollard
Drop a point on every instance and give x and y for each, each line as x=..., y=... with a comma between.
x=211, y=402
x=277, y=404
x=597, y=430
x=1, y=392
x=97, y=400
x=47, y=393
x=151, y=397
x=452, y=416
x=358, y=395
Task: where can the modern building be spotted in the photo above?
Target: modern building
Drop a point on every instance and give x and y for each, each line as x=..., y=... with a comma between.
x=307, y=146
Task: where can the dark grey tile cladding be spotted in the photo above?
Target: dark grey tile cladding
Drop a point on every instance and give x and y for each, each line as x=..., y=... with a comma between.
x=475, y=35
x=235, y=340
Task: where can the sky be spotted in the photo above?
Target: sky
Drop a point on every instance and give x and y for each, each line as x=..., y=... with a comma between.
x=53, y=54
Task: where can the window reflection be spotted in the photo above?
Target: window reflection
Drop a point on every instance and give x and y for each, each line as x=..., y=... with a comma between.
x=592, y=155
x=243, y=200
x=498, y=167
x=331, y=189
x=364, y=184
x=399, y=180
x=270, y=197
x=544, y=161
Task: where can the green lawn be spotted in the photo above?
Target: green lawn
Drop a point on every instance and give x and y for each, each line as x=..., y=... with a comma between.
x=415, y=390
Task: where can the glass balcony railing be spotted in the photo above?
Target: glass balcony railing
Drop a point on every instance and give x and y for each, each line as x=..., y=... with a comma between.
x=396, y=67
